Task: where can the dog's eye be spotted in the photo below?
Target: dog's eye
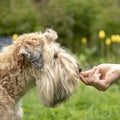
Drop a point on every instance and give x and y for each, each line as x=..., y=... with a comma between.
x=55, y=56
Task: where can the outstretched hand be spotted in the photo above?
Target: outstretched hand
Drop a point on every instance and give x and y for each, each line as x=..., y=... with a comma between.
x=101, y=76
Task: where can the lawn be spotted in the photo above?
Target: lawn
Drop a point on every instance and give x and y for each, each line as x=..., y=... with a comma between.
x=87, y=103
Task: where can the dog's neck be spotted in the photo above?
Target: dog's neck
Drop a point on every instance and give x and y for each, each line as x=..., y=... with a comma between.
x=21, y=87
x=11, y=74
x=18, y=84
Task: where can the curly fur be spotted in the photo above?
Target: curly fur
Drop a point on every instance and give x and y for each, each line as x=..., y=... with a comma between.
x=35, y=59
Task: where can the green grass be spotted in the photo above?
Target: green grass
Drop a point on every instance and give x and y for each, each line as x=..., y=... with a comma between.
x=86, y=104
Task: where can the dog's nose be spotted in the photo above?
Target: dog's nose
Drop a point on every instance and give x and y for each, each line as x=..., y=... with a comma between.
x=79, y=68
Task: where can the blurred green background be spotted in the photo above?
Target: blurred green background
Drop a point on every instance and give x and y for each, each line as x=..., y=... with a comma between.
x=90, y=29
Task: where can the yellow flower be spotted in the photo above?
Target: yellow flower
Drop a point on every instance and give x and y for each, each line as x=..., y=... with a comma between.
x=101, y=34
x=113, y=38
x=108, y=41
x=118, y=38
x=15, y=36
x=84, y=40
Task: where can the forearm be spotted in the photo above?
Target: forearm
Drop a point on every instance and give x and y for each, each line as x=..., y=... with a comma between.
x=118, y=70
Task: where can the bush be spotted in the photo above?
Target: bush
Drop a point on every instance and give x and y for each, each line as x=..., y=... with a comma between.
x=72, y=20
x=108, y=18
x=17, y=17
x=75, y=19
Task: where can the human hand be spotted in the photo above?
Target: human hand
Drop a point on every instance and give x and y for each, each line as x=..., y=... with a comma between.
x=101, y=76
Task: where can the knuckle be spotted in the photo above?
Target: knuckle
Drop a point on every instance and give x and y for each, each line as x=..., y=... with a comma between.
x=104, y=88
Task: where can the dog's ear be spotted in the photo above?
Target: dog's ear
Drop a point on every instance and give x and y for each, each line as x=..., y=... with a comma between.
x=34, y=56
x=51, y=35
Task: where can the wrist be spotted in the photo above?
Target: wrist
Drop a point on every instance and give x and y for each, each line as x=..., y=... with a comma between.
x=119, y=70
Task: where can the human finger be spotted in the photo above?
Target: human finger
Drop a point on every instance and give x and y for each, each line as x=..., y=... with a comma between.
x=84, y=79
x=91, y=76
x=86, y=73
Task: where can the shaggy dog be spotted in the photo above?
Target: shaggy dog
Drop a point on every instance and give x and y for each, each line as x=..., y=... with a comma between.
x=35, y=59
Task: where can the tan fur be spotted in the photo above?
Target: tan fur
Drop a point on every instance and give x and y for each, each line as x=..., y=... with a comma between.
x=35, y=59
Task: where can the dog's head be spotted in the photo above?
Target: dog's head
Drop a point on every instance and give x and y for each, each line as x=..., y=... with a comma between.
x=60, y=74
x=57, y=73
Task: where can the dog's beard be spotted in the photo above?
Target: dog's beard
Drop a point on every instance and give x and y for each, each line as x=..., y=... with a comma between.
x=56, y=85
x=59, y=76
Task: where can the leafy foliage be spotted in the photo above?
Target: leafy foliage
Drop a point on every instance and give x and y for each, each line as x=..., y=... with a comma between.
x=77, y=22
x=78, y=18
x=72, y=19
x=17, y=17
